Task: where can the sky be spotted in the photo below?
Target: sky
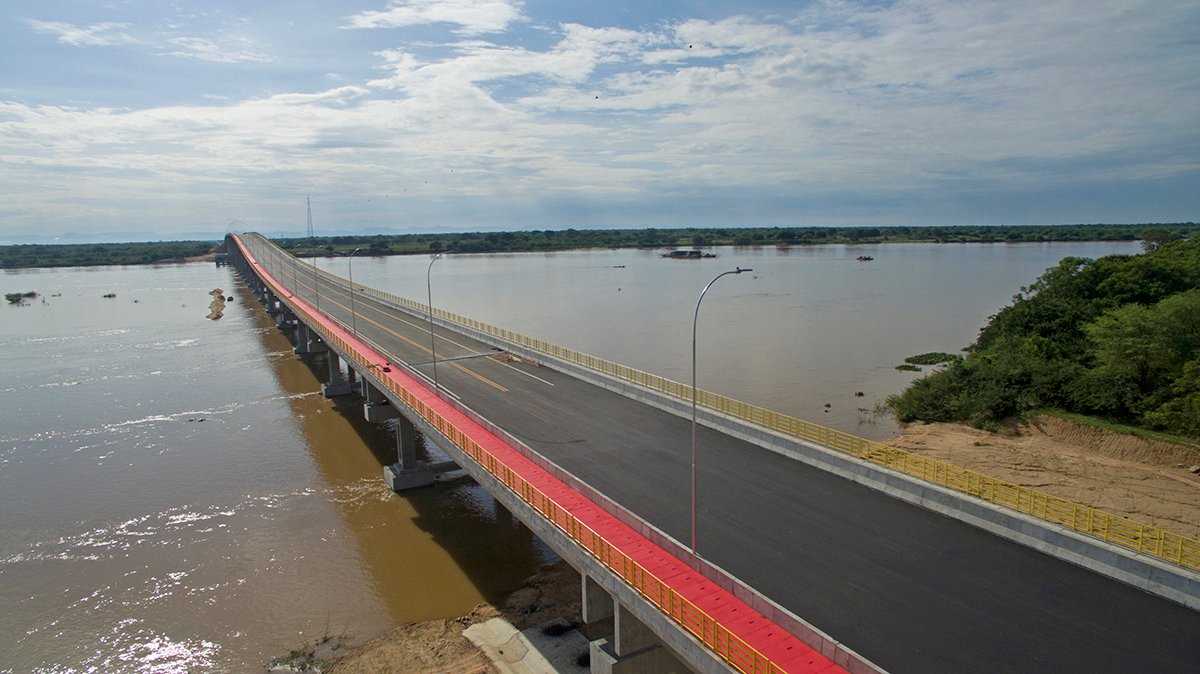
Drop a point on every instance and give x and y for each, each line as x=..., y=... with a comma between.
x=140, y=120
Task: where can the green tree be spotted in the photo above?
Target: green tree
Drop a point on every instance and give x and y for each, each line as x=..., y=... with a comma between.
x=1154, y=238
x=1181, y=413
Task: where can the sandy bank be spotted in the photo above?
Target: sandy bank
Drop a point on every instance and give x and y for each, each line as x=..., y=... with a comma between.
x=552, y=595
x=1144, y=480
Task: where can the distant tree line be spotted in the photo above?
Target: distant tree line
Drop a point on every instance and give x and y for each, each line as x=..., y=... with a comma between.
x=1116, y=338
x=95, y=254
x=75, y=255
x=567, y=239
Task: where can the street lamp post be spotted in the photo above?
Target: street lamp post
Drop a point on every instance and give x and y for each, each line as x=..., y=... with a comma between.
x=316, y=282
x=350, y=265
x=695, y=321
x=429, y=297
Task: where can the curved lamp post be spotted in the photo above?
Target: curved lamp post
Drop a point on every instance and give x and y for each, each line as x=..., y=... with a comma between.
x=429, y=296
x=350, y=265
x=695, y=321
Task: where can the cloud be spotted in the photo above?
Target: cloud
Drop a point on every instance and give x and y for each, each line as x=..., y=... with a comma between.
x=473, y=17
x=833, y=112
x=95, y=35
x=228, y=50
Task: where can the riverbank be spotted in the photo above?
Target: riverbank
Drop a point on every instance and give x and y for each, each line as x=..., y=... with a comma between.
x=550, y=597
x=1145, y=480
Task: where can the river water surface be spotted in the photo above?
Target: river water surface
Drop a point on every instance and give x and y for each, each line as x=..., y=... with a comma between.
x=176, y=497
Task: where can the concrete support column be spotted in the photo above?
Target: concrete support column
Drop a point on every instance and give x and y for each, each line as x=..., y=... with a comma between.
x=407, y=472
x=634, y=649
x=406, y=443
x=303, y=337
x=336, y=386
x=631, y=635
x=597, y=602
x=307, y=340
x=286, y=320
x=376, y=406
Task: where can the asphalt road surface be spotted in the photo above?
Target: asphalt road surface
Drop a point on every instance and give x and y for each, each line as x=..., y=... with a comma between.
x=911, y=590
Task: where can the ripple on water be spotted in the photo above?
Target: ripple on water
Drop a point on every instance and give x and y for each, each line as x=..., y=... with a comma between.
x=131, y=646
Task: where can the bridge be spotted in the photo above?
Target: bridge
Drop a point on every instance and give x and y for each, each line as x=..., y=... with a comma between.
x=814, y=551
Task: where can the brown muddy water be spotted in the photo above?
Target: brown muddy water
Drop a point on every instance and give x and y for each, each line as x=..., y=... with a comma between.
x=175, y=497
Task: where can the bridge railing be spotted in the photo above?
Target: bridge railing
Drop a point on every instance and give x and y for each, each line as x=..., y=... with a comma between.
x=1151, y=540
x=729, y=646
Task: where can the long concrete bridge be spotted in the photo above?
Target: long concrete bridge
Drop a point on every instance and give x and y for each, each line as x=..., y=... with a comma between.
x=814, y=551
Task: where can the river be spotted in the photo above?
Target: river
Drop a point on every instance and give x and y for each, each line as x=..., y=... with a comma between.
x=176, y=497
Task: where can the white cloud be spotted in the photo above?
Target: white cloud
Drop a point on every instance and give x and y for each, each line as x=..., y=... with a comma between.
x=228, y=50
x=924, y=101
x=95, y=35
x=473, y=17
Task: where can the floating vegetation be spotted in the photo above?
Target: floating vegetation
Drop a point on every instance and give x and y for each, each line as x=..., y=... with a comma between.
x=908, y=368
x=18, y=298
x=932, y=358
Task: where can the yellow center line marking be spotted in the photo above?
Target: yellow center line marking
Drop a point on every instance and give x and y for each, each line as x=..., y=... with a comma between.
x=420, y=347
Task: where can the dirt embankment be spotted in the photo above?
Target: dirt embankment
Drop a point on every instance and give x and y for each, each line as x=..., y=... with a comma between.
x=1148, y=481
x=439, y=645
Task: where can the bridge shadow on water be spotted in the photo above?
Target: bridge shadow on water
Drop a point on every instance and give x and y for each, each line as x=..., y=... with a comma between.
x=434, y=552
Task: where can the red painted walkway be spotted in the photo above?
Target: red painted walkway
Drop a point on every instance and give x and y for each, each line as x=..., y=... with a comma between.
x=773, y=648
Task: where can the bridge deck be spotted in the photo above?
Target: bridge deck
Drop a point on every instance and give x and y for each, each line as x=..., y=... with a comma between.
x=911, y=590
x=778, y=648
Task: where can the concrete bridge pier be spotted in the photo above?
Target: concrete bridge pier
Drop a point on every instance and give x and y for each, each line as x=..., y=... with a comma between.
x=630, y=648
x=376, y=407
x=286, y=320
x=336, y=386
x=307, y=340
x=269, y=301
x=302, y=338
x=407, y=472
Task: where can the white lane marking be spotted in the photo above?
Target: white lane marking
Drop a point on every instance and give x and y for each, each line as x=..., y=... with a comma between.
x=523, y=372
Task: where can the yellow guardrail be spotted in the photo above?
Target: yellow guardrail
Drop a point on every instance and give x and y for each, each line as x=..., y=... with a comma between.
x=728, y=646
x=1166, y=545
